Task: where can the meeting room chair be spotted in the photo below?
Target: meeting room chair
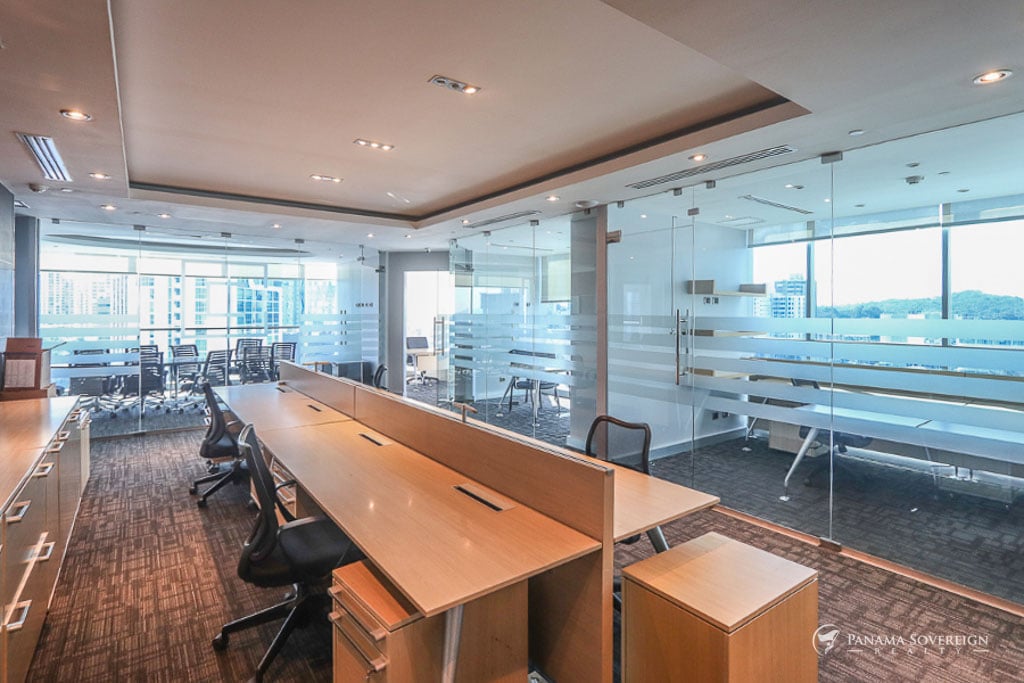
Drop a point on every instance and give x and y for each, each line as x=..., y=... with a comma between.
x=378, y=376
x=241, y=345
x=216, y=367
x=841, y=441
x=219, y=447
x=528, y=386
x=255, y=365
x=280, y=351
x=300, y=553
x=627, y=444
x=186, y=375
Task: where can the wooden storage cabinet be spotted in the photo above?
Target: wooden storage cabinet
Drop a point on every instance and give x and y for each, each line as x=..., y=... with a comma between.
x=715, y=609
x=42, y=488
x=379, y=636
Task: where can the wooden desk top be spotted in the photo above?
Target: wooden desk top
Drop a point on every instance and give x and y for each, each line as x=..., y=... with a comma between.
x=31, y=423
x=720, y=580
x=643, y=502
x=440, y=547
x=272, y=406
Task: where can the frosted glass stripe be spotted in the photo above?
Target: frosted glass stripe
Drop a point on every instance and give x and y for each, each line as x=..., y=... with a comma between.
x=924, y=328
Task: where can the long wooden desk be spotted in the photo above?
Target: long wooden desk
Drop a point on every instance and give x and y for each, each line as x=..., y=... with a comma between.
x=386, y=471
x=441, y=547
x=275, y=406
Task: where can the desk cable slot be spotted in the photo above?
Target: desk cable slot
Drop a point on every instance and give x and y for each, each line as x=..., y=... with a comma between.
x=313, y=407
x=283, y=391
x=370, y=439
x=478, y=495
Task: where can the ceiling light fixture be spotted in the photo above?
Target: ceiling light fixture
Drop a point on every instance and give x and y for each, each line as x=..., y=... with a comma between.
x=465, y=221
x=993, y=76
x=75, y=115
x=96, y=175
x=370, y=235
x=66, y=189
x=855, y=132
x=108, y=207
x=453, y=84
x=382, y=146
x=325, y=178
x=164, y=215
x=700, y=156
x=552, y=198
x=791, y=186
x=408, y=237
x=276, y=226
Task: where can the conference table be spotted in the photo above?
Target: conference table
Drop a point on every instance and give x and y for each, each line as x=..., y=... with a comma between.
x=441, y=538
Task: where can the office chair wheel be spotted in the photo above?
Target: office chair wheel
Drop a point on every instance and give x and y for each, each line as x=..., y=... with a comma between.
x=220, y=641
x=253, y=507
x=193, y=490
x=201, y=503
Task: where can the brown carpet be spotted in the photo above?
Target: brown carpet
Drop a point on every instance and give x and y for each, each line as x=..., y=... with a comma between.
x=149, y=578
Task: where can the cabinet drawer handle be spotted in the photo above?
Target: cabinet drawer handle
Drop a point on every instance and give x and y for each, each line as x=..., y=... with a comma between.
x=46, y=551
x=356, y=611
x=373, y=664
x=43, y=470
x=56, y=446
x=22, y=608
x=63, y=436
x=18, y=511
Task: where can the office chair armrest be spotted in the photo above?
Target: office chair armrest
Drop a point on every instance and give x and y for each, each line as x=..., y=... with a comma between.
x=290, y=482
x=285, y=512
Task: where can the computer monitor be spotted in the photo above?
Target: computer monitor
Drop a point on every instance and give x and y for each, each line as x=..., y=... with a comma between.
x=416, y=343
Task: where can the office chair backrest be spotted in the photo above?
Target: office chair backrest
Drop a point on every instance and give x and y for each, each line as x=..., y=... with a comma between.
x=246, y=343
x=620, y=442
x=263, y=537
x=218, y=423
x=282, y=351
x=216, y=367
x=416, y=343
x=378, y=376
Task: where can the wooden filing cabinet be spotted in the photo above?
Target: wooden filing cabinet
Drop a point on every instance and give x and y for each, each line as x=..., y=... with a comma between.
x=380, y=637
x=715, y=609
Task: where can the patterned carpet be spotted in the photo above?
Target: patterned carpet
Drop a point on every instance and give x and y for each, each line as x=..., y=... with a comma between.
x=149, y=579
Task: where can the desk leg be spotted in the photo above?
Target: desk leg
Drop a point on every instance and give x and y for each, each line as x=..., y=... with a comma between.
x=657, y=538
x=452, y=634
x=812, y=434
x=535, y=390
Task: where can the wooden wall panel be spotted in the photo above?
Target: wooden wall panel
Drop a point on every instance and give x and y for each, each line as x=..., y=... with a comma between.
x=332, y=391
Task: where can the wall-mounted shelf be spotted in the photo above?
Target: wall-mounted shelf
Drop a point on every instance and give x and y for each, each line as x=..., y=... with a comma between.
x=759, y=289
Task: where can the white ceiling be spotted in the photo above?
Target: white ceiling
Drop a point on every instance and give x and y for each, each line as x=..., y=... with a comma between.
x=217, y=113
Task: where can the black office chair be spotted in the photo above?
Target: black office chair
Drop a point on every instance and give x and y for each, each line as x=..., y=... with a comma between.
x=378, y=376
x=220, y=445
x=216, y=367
x=527, y=385
x=840, y=442
x=627, y=444
x=300, y=553
x=256, y=364
x=280, y=351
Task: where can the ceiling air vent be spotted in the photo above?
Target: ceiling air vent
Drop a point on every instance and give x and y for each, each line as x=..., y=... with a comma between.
x=501, y=219
x=47, y=156
x=714, y=166
x=777, y=205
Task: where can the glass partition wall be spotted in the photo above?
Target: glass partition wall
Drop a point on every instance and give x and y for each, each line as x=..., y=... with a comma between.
x=521, y=339
x=142, y=319
x=836, y=347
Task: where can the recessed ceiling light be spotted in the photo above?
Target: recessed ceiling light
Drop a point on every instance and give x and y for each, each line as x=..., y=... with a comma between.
x=993, y=76
x=164, y=215
x=383, y=146
x=791, y=186
x=66, y=189
x=855, y=132
x=370, y=235
x=408, y=237
x=96, y=175
x=276, y=226
x=465, y=221
x=643, y=215
x=827, y=200
x=108, y=207
x=700, y=156
x=452, y=84
x=552, y=198
x=75, y=115
x=325, y=178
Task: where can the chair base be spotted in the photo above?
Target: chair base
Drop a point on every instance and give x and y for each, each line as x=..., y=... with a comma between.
x=296, y=609
x=220, y=478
